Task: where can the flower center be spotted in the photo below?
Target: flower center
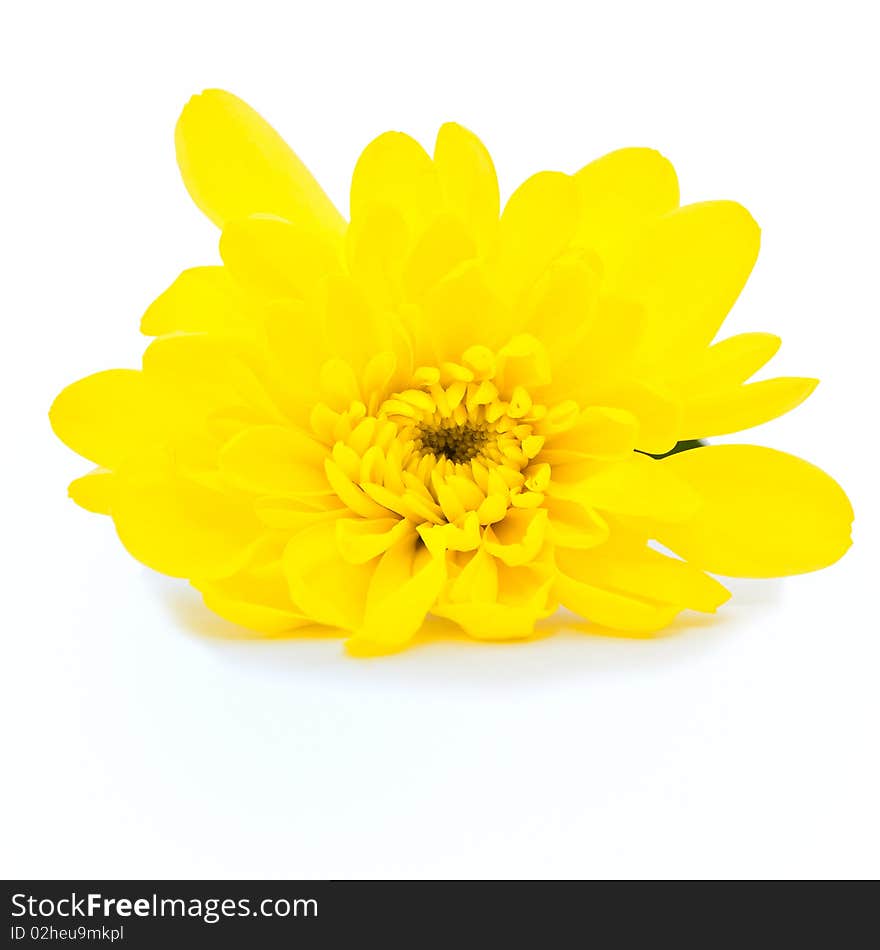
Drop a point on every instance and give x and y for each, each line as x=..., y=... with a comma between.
x=450, y=428
x=447, y=439
x=460, y=446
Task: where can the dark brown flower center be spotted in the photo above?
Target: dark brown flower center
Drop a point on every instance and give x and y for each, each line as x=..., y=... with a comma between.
x=458, y=443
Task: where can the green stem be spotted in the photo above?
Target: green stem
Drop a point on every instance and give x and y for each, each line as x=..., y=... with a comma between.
x=682, y=446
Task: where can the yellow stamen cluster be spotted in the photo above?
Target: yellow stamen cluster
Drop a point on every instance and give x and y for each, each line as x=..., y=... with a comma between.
x=448, y=447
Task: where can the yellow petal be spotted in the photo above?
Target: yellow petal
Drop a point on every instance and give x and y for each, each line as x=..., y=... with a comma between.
x=603, y=350
x=453, y=537
x=444, y=245
x=461, y=312
x=292, y=513
x=598, y=433
x=94, y=491
x=640, y=487
x=274, y=460
x=487, y=621
x=202, y=299
x=562, y=305
x=618, y=194
x=611, y=609
x=235, y=164
x=523, y=362
x=275, y=258
x=362, y=539
x=722, y=365
x=256, y=597
x=253, y=616
x=633, y=569
x=743, y=407
x=655, y=408
x=323, y=585
x=687, y=270
x=339, y=384
x=107, y=416
x=209, y=372
x=574, y=526
x=521, y=597
x=395, y=170
x=467, y=180
x=519, y=537
x=352, y=495
x=764, y=513
x=376, y=246
x=477, y=581
x=536, y=226
x=355, y=332
x=402, y=590
x=297, y=350
x=178, y=526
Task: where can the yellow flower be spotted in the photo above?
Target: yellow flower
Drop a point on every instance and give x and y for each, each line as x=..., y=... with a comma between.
x=437, y=408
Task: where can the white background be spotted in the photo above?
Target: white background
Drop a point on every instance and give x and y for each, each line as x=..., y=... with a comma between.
x=141, y=740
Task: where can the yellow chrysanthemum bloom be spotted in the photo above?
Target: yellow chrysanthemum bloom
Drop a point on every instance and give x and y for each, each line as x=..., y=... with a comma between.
x=437, y=408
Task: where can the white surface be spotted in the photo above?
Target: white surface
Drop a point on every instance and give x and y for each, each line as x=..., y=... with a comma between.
x=137, y=746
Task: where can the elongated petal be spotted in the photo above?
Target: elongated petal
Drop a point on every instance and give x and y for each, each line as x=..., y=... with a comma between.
x=722, y=365
x=573, y=525
x=635, y=570
x=467, y=180
x=687, y=270
x=376, y=246
x=498, y=621
x=602, y=353
x=256, y=597
x=297, y=350
x=94, y=491
x=445, y=244
x=518, y=538
x=743, y=407
x=560, y=308
x=490, y=600
x=292, y=513
x=477, y=581
x=235, y=164
x=362, y=539
x=204, y=372
x=394, y=170
x=656, y=410
x=461, y=312
x=536, y=226
x=355, y=331
x=202, y=299
x=107, y=416
x=619, y=193
x=453, y=537
x=275, y=258
x=489, y=621
x=611, y=609
x=523, y=361
x=402, y=590
x=275, y=460
x=179, y=526
x=323, y=585
x=599, y=433
x=256, y=616
x=639, y=487
x=764, y=513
